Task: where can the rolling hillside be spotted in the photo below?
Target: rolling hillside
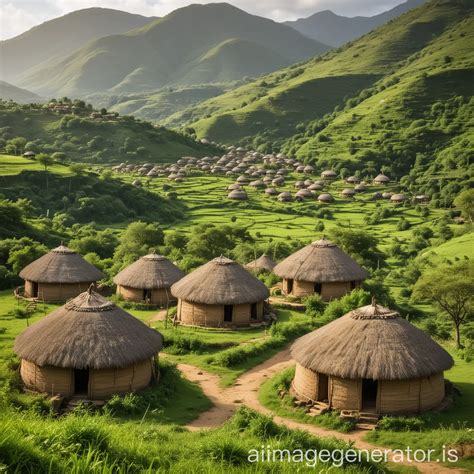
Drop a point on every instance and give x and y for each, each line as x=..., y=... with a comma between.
x=82, y=139
x=193, y=45
x=54, y=40
x=22, y=96
x=335, y=30
x=281, y=104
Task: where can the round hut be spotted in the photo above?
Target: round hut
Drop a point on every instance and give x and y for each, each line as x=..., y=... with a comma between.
x=320, y=267
x=381, y=179
x=220, y=293
x=271, y=192
x=325, y=198
x=352, y=180
x=370, y=360
x=348, y=193
x=237, y=195
x=148, y=280
x=261, y=264
x=285, y=196
x=329, y=174
x=398, y=198
x=58, y=276
x=88, y=348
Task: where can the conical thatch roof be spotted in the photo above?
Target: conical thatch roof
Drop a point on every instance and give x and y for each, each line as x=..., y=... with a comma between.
x=371, y=342
x=149, y=272
x=220, y=281
x=61, y=265
x=320, y=261
x=88, y=332
x=261, y=263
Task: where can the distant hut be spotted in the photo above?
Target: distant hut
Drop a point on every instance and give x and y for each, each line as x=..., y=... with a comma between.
x=353, y=180
x=263, y=263
x=315, y=187
x=360, y=188
x=304, y=194
x=371, y=360
x=148, y=280
x=137, y=183
x=242, y=179
x=329, y=174
x=238, y=195
x=88, y=348
x=285, y=196
x=321, y=267
x=231, y=187
x=348, y=193
x=381, y=179
x=29, y=154
x=308, y=169
x=325, y=198
x=398, y=199
x=271, y=192
x=59, y=275
x=300, y=185
x=220, y=293
x=422, y=199
x=257, y=184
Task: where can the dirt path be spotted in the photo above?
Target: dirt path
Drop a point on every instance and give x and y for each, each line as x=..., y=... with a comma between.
x=245, y=392
x=160, y=316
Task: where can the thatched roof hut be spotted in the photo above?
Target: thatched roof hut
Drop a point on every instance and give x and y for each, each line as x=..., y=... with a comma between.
x=398, y=198
x=238, y=195
x=381, y=179
x=233, y=186
x=29, y=154
x=372, y=360
x=220, y=293
x=348, y=192
x=88, y=347
x=320, y=267
x=148, y=280
x=325, y=197
x=352, y=180
x=285, y=196
x=263, y=263
x=271, y=192
x=360, y=188
x=329, y=174
x=59, y=275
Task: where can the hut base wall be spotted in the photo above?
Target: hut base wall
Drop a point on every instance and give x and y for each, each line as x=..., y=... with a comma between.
x=195, y=314
x=344, y=394
x=305, y=383
x=159, y=297
x=329, y=291
x=107, y=382
x=56, y=292
x=47, y=379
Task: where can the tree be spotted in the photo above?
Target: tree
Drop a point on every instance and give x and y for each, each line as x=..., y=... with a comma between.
x=465, y=203
x=45, y=160
x=452, y=289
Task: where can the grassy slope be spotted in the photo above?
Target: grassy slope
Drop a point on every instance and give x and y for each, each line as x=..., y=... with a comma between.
x=13, y=165
x=425, y=80
x=357, y=66
x=22, y=96
x=46, y=129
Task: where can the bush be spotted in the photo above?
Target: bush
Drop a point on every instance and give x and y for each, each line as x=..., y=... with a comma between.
x=401, y=423
x=314, y=305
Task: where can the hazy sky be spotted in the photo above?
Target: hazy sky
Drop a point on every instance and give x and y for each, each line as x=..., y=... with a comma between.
x=17, y=16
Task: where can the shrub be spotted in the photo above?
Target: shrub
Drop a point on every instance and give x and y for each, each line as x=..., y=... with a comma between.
x=401, y=423
x=314, y=305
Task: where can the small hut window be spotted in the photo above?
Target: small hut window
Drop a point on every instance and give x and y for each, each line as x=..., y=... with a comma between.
x=353, y=285
x=369, y=394
x=81, y=381
x=318, y=288
x=253, y=311
x=228, y=312
x=147, y=295
x=289, y=286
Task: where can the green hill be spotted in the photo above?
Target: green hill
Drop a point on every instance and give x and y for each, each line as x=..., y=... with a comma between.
x=22, y=96
x=335, y=30
x=195, y=44
x=283, y=103
x=83, y=139
x=54, y=40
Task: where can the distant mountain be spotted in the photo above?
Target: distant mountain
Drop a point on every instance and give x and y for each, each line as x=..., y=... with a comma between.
x=22, y=96
x=335, y=30
x=53, y=40
x=193, y=45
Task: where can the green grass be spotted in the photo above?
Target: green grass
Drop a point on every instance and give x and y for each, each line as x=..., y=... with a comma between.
x=11, y=165
x=456, y=248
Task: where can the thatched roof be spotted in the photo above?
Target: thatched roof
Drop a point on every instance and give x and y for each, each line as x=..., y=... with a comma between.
x=220, y=281
x=381, y=178
x=88, y=332
x=371, y=342
x=320, y=261
x=263, y=262
x=149, y=272
x=61, y=265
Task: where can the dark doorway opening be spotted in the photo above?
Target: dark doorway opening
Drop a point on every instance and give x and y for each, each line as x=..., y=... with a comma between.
x=35, y=289
x=323, y=387
x=253, y=311
x=81, y=381
x=353, y=285
x=318, y=288
x=289, y=286
x=228, y=313
x=369, y=394
x=146, y=295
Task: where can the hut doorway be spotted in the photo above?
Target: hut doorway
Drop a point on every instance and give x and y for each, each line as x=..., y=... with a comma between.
x=228, y=311
x=289, y=286
x=34, y=289
x=318, y=288
x=253, y=311
x=81, y=381
x=323, y=387
x=146, y=295
x=353, y=285
x=369, y=394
